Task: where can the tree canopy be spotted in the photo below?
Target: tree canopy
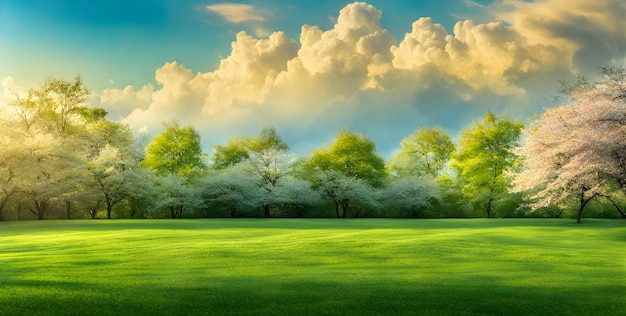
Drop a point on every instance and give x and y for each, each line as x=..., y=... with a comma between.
x=485, y=156
x=353, y=155
x=175, y=151
x=578, y=150
x=425, y=152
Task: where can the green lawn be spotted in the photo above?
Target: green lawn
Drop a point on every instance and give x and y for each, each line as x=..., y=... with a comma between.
x=313, y=267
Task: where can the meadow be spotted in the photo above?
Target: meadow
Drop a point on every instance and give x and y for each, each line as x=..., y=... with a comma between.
x=313, y=267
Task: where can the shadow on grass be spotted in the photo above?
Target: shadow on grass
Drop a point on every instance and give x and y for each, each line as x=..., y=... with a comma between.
x=282, y=295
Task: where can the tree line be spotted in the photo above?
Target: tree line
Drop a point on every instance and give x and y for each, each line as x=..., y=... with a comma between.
x=60, y=158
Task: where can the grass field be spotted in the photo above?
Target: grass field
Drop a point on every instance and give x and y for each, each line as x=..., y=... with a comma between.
x=313, y=267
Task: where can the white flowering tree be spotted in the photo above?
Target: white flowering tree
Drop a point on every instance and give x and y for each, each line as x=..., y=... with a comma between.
x=410, y=195
x=578, y=150
x=232, y=189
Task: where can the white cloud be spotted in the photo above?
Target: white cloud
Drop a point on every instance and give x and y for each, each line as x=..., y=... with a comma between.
x=357, y=75
x=591, y=33
x=489, y=56
x=120, y=102
x=236, y=12
x=248, y=15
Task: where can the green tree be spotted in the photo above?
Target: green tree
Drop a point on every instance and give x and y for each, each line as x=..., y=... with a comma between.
x=230, y=154
x=347, y=171
x=353, y=155
x=240, y=149
x=54, y=105
x=175, y=155
x=425, y=152
x=267, y=158
x=175, y=151
x=484, y=157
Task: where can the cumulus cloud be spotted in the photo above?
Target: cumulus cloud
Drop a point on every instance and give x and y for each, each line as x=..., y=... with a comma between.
x=120, y=102
x=358, y=75
x=591, y=33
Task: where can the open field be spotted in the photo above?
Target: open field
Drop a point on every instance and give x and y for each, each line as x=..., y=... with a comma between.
x=313, y=266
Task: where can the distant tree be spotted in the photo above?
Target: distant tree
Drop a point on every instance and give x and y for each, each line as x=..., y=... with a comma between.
x=56, y=104
x=268, y=139
x=267, y=156
x=410, y=195
x=295, y=196
x=425, y=152
x=175, y=151
x=240, y=149
x=176, y=195
x=348, y=194
x=232, y=153
x=269, y=167
x=12, y=158
x=175, y=155
x=578, y=150
x=347, y=172
x=485, y=157
x=353, y=155
x=232, y=189
x=117, y=177
x=50, y=169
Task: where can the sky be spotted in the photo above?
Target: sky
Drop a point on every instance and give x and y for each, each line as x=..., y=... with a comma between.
x=309, y=68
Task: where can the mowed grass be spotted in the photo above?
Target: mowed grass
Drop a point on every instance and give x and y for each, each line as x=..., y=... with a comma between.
x=313, y=267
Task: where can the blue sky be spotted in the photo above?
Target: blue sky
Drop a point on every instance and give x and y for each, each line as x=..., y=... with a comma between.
x=126, y=41
x=152, y=61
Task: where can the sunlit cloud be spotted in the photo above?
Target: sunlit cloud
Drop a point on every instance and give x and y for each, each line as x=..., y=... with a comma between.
x=236, y=12
x=251, y=16
x=591, y=33
x=357, y=74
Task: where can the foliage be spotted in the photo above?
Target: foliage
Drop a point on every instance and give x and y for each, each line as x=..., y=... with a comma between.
x=176, y=196
x=240, y=149
x=117, y=177
x=484, y=158
x=353, y=155
x=233, y=190
x=410, y=196
x=175, y=151
x=578, y=150
x=425, y=152
x=350, y=195
x=54, y=106
x=296, y=198
x=233, y=152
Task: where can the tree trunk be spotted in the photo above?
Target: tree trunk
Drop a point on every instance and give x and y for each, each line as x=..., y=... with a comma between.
x=266, y=210
x=68, y=208
x=109, y=208
x=583, y=203
x=41, y=208
x=344, y=208
x=2, y=205
x=488, y=207
x=336, y=207
x=619, y=209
